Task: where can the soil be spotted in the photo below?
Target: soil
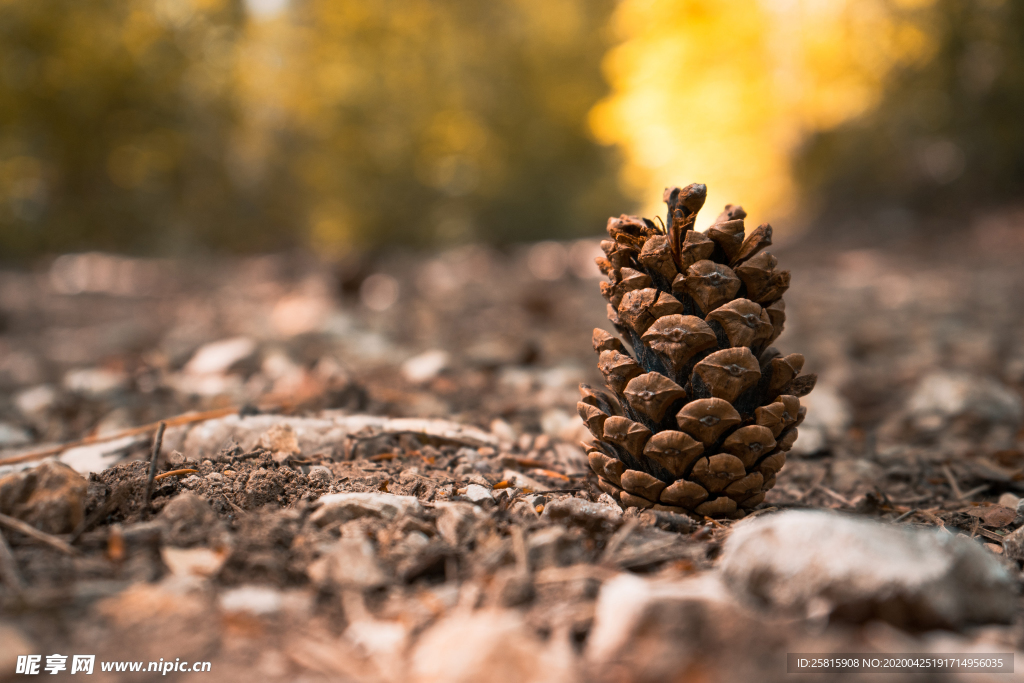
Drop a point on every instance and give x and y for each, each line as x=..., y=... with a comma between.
x=231, y=560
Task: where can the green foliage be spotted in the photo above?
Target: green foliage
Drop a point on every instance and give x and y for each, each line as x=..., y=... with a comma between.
x=441, y=121
x=115, y=125
x=947, y=137
x=163, y=125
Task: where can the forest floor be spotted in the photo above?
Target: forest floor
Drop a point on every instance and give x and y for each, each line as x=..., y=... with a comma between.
x=371, y=471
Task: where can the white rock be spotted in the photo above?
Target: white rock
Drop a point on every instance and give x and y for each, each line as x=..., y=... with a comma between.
x=281, y=441
x=351, y=563
x=942, y=396
x=36, y=399
x=828, y=418
x=819, y=563
x=426, y=366
x=252, y=599
x=99, y=456
x=217, y=357
x=94, y=381
x=345, y=506
x=202, y=562
x=478, y=495
x=488, y=646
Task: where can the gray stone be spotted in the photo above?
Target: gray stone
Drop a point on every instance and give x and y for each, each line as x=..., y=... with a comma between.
x=943, y=396
x=820, y=563
x=580, y=512
x=335, y=507
x=478, y=495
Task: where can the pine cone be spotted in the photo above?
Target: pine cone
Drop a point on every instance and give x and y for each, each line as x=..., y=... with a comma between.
x=704, y=409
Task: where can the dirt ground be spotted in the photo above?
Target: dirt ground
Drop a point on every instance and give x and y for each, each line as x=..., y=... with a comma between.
x=441, y=389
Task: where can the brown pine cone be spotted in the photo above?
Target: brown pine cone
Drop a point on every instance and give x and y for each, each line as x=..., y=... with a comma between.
x=704, y=409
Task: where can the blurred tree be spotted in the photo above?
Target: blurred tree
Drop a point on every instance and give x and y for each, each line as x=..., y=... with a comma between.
x=723, y=91
x=116, y=121
x=420, y=121
x=163, y=125
x=947, y=136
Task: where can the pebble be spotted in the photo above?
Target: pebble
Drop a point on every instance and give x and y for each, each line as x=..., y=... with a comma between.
x=579, y=512
x=814, y=562
x=489, y=645
x=350, y=563
x=217, y=357
x=342, y=507
x=478, y=495
x=941, y=396
x=426, y=366
x=50, y=497
x=188, y=562
x=456, y=521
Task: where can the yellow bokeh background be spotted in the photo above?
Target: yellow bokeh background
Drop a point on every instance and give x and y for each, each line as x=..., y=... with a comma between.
x=253, y=125
x=724, y=90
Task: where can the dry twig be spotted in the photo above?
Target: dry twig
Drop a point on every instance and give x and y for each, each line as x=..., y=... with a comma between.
x=32, y=532
x=157, y=441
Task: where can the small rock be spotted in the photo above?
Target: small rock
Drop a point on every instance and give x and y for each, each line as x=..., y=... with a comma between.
x=1013, y=544
x=189, y=562
x=651, y=630
x=813, y=562
x=469, y=648
x=36, y=399
x=478, y=495
x=190, y=520
x=217, y=357
x=265, y=600
x=1009, y=500
x=94, y=382
x=336, y=507
x=320, y=475
x=281, y=441
x=941, y=397
x=351, y=563
x=851, y=474
x=99, y=456
x=50, y=497
x=426, y=366
x=579, y=512
x=456, y=521
x=252, y=599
